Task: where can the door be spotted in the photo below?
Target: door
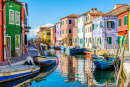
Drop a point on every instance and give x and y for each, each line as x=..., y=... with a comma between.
x=8, y=44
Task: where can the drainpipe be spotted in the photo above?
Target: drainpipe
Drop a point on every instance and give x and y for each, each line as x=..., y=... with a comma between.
x=3, y=27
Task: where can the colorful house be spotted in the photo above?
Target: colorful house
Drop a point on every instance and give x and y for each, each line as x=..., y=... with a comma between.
x=46, y=35
x=54, y=34
x=88, y=26
x=67, y=24
x=105, y=28
x=75, y=34
x=13, y=28
x=129, y=28
x=58, y=32
x=123, y=27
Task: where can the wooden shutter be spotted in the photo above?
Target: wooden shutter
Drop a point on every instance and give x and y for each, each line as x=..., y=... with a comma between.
x=123, y=39
x=66, y=21
x=126, y=20
x=101, y=24
x=108, y=40
x=100, y=40
x=112, y=24
x=119, y=39
x=92, y=26
x=86, y=18
x=107, y=24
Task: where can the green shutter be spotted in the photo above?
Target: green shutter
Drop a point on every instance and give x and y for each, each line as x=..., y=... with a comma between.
x=66, y=30
x=107, y=24
x=92, y=26
x=119, y=39
x=119, y=23
x=100, y=24
x=123, y=39
x=112, y=24
x=66, y=21
x=110, y=40
x=86, y=18
x=100, y=40
x=126, y=20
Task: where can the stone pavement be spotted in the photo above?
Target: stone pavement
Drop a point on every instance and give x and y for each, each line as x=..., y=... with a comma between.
x=20, y=60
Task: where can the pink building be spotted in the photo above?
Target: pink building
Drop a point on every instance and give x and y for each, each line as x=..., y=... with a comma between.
x=67, y=24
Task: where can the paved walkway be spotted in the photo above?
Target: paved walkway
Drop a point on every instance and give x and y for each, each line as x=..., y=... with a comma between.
x=20, y=60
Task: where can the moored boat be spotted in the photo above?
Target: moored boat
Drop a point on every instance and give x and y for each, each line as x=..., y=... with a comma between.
x=102, y=63
x=10, y=73
x=77, y=50
x=44, y=61
x=63, y=48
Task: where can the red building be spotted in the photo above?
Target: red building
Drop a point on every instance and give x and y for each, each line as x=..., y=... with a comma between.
x=122, y=28
x=54, y=34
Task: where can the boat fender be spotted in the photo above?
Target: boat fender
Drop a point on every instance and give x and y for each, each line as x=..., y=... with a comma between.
x=7, y=74
x=30, y=61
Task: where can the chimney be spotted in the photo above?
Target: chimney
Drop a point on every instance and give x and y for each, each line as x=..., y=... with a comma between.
x=95, y=10
x=91, y=10
x=117, y=5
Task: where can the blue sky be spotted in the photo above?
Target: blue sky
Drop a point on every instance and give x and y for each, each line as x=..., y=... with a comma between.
x=42, y=12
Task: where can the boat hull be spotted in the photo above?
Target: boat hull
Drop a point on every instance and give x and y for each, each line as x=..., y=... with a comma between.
x=77, y=50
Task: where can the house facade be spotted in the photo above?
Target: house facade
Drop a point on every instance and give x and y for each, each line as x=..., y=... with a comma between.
x=88, y=26
x=54, y=34
x=75, y=34
x=123, y=29
x=46, y=35
x=58, y=33
x=51, y=35
x=66, y=29
x=13, y=29
x=129, y=28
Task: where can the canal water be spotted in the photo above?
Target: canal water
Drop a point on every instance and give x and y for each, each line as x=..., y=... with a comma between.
x=70, y=71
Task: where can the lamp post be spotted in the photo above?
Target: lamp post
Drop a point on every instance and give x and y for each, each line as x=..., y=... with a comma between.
x=10, y=5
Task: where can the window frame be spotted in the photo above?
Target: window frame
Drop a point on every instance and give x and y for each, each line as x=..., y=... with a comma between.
x=111, y=41
x=9, y=16
x=70, y=21
x=15, y=17
x=18, y=41
x=69, y=31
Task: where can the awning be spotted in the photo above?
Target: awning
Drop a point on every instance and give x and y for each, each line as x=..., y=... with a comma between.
x=61, y=38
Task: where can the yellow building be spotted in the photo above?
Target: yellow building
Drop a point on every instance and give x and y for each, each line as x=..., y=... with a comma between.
x=46, y=37
x=51, y=31
x=129, y=27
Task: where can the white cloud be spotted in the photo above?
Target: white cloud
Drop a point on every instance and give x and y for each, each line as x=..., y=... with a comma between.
x=33, y=32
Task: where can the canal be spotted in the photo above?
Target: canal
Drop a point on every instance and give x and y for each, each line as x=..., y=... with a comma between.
x=70, y=71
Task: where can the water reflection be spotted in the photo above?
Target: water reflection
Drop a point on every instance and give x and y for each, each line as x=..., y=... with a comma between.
x=71, y=71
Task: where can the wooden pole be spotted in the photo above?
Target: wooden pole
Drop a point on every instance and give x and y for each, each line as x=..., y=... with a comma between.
x=115, y=47
x=101, y=44
x=121, y=66
x=27, y=50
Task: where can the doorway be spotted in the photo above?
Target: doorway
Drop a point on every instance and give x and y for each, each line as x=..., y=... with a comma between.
x=8, y=44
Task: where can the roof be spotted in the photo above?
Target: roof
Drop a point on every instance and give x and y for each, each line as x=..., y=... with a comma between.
x=71, y=16
x=58, y=22
x=117, y=11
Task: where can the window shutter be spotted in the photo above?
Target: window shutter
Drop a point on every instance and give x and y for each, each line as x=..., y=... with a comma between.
x=92, y=26
x=107, y=24
x=66, y=30
x=66, y=21
x=119, y=39
x=126, y=20
x=86, y=18
x=123, y=39
x=100, y=24
x=112, y=24
x=100, y=40
x=108, y=41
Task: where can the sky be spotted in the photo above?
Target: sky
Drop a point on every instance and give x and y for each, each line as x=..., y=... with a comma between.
x=49, y=12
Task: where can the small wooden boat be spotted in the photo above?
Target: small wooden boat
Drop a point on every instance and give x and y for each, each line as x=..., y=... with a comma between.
x=44, y=61
x=77, y=50
x=10, y=73
x=102, y=63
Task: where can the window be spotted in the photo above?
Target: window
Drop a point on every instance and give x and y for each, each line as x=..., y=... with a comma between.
x=66, y=21
x=62, y=22
x=75, y=40
x=88, y=29
x=70, y=21
x=11, y=16
x=86, y=40
x=109, y=40
x=92, y=26
x=100, y=24
x=86, y=18
x=66, y=30
x=126, y=20
x=81, y=41
x=75, y=32
x=17, y=41
x=95, y=26
x=110, y=24
x=78, y=19
x=90, y=39
x=62, y=31
x=70, y=31
x=57, y=26
x=119, y=22
x=17, y=18
x=44, y=34
x=48, y=33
